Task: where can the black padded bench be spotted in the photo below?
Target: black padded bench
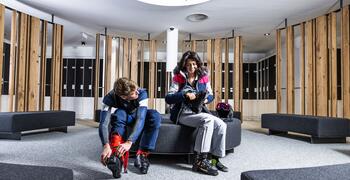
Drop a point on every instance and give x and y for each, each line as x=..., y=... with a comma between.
x=321, y=129
x=13, y=123
x=339, y=171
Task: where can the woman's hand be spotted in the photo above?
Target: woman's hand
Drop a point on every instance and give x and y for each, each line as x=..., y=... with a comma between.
x=124, y=147
x=106, y=153
x=190, y=96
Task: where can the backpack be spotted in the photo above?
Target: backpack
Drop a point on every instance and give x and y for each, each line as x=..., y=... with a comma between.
x=224, y=110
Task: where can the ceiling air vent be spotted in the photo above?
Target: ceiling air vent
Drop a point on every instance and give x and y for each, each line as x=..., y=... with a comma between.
x=197, y=17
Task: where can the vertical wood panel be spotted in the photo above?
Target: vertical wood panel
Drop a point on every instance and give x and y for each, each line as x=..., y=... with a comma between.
x=12, y=59
x=237, y=74
x=151, y=74
x=21, y=66
x=278, y=71
x=2, y=25
x=126, y=69
x=142, y=64
x=314, y=66
x=134, y=69
x=218, y=70
x=97, y=73
x=290, y=70
x=56, y=71
x=33, y=64
x=227, y=88
x=108, y=63
x=309, y=94
x=193, y=45
x=346, y=61
x=210, y=69
x=321, y=67
x=43, y=66
x=302, y=68
x=118, y=68
x=241, y=76
x=333, y=63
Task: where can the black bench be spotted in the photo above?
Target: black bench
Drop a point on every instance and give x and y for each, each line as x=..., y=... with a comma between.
x=339, y=171
x=321, y=129
x=13, y=123
x=178, y=139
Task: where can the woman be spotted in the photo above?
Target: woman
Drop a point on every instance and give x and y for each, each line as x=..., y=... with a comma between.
x=190, y=82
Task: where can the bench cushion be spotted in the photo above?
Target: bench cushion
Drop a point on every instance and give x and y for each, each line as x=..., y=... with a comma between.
x=316, y=126
x=178, y=139
x=12, y=123
x=339, y=171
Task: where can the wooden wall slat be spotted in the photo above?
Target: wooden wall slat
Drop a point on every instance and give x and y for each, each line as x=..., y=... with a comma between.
x=33, y=64
x=142, y=64
x=2, y=33
x=108, y=63
x=226, y=83
x=241, y=75
x=278, y=71
x=97, y=73
x=151, y=89
x=60, y=84
x=155, y=76
x=134, y=70
x=21, y=66
x=314, y=65
x=321, y=67
x=126, y=70
x=346, y=61
x=302, y=68
x=12, y=69
x=210, y=69
x=43, y=66
x=218, y=70
x=309, y=93
x=290, y=70
x=193, y=45
x=56, y=71
x=118, y=67
x=237, y=75
x=333, y=63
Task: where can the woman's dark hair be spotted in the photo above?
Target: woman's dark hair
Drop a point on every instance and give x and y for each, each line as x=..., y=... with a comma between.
x=181, y=66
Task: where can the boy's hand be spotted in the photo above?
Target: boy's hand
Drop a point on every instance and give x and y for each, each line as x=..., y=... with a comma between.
x=124, y=147
x=106, y=153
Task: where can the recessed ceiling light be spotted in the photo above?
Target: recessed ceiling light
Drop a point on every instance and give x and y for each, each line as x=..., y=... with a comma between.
x=267, y=34
x=173, y=2
x=197, y=17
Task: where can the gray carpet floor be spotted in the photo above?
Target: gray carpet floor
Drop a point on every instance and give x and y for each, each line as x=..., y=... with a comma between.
x=80, y=148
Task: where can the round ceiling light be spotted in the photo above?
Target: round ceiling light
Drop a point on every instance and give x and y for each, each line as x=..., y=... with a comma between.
x=173, y=2
x=197, y=17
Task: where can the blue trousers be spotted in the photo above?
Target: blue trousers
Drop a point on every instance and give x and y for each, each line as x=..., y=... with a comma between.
x=147, y=127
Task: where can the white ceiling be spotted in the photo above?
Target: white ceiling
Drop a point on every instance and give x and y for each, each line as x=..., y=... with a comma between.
x=248, y=18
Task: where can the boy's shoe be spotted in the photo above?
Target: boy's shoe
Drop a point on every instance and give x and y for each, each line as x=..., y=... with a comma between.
x=115, y=165
x=142, y=163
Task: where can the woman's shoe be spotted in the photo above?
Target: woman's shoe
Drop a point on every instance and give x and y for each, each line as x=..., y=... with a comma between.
x=202, y=164
x=221, y=167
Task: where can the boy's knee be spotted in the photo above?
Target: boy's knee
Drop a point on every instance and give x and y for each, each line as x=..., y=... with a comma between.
x=156, y=117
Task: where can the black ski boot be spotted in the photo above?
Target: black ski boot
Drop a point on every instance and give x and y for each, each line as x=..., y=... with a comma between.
x=115, y=165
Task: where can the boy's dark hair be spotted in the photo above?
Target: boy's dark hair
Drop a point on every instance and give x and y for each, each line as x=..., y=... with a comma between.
x=124, y=86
